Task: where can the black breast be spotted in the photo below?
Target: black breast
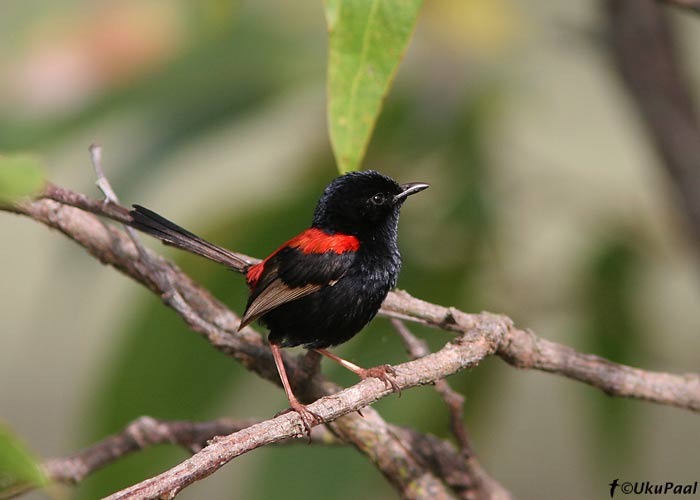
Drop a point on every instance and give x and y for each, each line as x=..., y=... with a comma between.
x=337, y=312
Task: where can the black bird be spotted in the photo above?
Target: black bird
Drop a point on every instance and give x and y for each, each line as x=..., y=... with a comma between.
x=323, y=286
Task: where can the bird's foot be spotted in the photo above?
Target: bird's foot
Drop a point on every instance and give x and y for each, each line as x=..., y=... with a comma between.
x=385, y=373
x=308, y=418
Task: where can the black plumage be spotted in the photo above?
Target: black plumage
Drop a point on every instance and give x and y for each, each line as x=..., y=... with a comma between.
x=323, y=286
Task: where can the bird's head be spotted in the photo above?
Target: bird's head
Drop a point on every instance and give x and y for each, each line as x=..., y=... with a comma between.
x=359, y=202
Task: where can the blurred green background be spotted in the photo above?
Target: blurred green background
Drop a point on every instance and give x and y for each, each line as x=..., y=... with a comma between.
x=547, y=204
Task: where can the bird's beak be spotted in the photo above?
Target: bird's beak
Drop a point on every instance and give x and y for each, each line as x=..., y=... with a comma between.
x=409, y=189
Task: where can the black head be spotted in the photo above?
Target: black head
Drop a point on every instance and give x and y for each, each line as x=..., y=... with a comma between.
x=358, y=202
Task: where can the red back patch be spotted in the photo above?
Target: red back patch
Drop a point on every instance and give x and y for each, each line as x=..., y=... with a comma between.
x=254, y=272
x=316, y=241
x=310, y=241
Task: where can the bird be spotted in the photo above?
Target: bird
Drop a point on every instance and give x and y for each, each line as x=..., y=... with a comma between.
x=320, y=288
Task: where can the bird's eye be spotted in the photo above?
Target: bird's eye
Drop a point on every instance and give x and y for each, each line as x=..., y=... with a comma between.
x=378, y=199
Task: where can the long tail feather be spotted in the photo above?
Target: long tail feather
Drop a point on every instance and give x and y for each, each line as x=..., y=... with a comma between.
x=170, y=233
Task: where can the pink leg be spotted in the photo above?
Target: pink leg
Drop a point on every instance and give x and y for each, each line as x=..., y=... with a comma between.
x=385, y=373
x=308, y=418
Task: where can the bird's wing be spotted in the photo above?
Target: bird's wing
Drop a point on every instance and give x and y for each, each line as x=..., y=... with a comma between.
x=290, y=274
x=276, y=294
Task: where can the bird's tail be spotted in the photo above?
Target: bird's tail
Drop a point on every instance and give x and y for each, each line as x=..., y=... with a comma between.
x=170, y=233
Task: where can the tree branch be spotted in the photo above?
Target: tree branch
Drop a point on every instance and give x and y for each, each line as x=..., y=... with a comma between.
x=465, y=351
x=480, y=335
x=417, y=348
x=484, y=486
x=523, y=349
x=441, y=457
x=147, y=431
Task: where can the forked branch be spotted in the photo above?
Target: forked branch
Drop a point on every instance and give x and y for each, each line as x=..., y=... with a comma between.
x=478, y=336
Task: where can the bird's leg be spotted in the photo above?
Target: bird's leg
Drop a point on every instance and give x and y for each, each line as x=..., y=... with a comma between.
x=385, y=373
x=308, y=418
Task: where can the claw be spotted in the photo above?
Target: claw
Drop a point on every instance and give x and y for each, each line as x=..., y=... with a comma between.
x=385, y=373
x=308, y=418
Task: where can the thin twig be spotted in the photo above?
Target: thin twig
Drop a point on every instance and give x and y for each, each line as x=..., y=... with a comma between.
x=110, y=196
x=102, y=182
x=454, y=401
x=482, y=485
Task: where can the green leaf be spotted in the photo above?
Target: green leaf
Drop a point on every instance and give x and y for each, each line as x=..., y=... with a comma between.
x=19, y=471
x=367, y=41
x=20, y=175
